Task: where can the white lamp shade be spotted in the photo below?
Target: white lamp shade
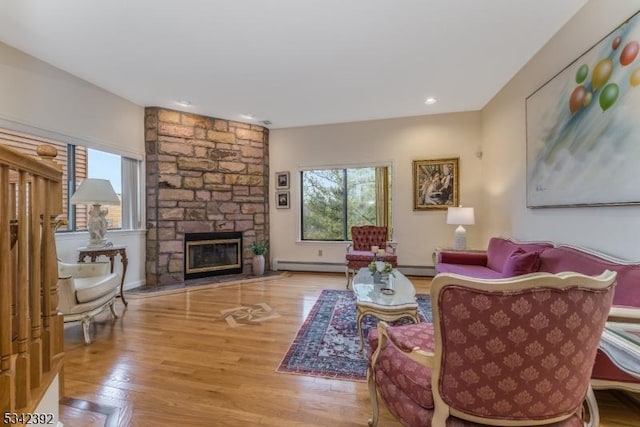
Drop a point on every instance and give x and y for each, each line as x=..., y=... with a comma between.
x=460, y=216
x=95, y=191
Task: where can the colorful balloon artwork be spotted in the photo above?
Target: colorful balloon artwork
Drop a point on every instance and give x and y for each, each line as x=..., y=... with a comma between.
x=616, y=43
x=608, y=91
x=634, y=79
x=582, y=73
x=608, y=96
x=577, y=99
x=601, y=73
x=629, y=53
x=583, y=126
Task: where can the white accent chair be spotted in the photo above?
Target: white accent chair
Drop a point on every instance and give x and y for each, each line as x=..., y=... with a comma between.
x=84, y=290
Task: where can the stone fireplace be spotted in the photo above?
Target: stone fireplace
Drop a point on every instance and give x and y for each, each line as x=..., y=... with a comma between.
x=203, y=175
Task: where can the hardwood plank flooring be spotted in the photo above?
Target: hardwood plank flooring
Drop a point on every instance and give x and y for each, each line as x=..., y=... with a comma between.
x=176, y=363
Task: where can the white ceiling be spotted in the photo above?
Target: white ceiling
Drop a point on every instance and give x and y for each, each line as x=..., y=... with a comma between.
x=293, y=62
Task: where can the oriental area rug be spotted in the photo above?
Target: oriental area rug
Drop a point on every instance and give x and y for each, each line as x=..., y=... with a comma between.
x=327, y=344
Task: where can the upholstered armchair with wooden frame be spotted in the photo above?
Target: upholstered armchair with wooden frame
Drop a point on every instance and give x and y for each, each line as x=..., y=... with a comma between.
x=359, y=253
x=503, y=352
x=86, y=289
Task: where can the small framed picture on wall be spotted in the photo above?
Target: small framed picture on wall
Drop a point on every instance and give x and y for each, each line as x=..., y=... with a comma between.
x=282, y=199
x=282, y=180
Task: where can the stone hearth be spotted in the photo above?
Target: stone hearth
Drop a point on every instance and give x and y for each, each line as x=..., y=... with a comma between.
x=203, y=175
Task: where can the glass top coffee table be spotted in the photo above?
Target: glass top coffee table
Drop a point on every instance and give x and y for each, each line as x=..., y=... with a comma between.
x=621, y=342
x=389, y=301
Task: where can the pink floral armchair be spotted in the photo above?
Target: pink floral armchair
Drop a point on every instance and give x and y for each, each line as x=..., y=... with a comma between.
x=359, y=252
x=515, y=351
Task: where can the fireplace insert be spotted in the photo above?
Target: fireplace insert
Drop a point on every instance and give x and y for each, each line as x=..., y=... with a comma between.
x=212, y=254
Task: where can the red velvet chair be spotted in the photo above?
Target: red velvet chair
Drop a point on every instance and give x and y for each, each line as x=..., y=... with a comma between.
x=359, y=252
x=508, y=352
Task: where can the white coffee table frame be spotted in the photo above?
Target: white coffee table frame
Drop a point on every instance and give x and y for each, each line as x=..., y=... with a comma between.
x=623, y=350
x=371, y=300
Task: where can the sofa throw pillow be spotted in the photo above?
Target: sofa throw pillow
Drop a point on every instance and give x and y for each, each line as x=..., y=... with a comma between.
x=520, y=262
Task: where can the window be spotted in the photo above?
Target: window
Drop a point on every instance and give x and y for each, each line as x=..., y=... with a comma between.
x=80, y=162
x=106, y=166
x=334, y=200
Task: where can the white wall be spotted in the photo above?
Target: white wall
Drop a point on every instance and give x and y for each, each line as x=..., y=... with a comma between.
x=49, y=102
x=48, y=99
x=395, y=141
x=615, y=230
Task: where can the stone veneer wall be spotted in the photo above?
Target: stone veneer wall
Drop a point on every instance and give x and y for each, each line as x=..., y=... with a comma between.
x=203, y=175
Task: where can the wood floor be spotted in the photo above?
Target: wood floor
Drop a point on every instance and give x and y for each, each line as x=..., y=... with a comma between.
x=175, y=363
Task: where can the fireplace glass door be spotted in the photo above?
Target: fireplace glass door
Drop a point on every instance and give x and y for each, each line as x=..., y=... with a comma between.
x=212, y=256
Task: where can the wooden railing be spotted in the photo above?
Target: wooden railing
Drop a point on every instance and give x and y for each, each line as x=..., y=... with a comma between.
x=31, y=334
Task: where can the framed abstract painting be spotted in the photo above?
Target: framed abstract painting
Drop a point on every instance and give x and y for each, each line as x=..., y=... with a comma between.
x=583, y=132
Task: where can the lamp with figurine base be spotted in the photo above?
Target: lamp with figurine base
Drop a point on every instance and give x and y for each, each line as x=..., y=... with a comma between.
x=96, y=192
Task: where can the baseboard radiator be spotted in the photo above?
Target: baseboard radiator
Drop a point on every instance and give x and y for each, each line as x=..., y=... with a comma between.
x=331, y=267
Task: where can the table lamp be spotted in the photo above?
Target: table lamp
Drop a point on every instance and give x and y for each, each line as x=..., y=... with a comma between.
x=96, y=192
x=460, y=216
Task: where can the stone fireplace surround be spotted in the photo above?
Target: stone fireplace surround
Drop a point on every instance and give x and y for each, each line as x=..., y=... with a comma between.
x=202, y=175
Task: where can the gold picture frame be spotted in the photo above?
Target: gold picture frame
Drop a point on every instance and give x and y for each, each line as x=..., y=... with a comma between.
x=436, y=184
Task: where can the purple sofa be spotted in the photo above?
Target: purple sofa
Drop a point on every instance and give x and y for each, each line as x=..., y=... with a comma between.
x=507, y=258
x=503, y=258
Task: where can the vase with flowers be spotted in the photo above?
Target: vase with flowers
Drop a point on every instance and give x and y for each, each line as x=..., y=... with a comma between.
x=381, y=271
x=259, y=249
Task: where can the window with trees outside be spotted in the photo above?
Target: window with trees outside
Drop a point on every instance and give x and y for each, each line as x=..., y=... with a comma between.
x=334, y=200
x=79, y=162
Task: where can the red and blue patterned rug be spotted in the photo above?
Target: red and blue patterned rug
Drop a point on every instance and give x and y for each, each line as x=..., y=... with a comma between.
x=327, y=344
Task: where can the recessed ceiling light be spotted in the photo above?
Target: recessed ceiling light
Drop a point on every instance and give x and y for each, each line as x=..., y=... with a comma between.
x=247, y=116
x=184, y=103
x=430, y=100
